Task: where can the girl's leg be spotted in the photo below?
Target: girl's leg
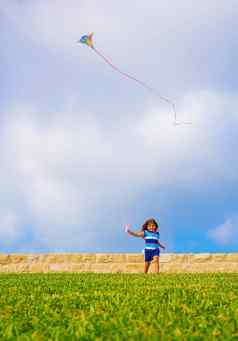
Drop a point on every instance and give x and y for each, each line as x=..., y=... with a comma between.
x=146, y=267
x=156, y=264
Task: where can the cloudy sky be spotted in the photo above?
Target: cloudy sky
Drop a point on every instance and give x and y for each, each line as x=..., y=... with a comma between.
x=83, y=151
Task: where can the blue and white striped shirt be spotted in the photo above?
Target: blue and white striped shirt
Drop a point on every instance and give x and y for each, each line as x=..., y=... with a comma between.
x=151, y=240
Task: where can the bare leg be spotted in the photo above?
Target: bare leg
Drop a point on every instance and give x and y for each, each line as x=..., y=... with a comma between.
x=156, y=264
x=146, y=267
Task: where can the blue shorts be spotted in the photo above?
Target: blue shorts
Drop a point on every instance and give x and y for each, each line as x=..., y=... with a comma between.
x=149, y=254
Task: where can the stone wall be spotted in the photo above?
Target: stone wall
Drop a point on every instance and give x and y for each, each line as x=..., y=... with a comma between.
x=117, y=262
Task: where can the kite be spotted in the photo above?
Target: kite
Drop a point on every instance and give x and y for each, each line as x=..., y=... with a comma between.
x=88, y=40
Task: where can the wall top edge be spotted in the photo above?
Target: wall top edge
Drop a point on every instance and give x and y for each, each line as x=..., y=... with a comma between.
x=114, y=253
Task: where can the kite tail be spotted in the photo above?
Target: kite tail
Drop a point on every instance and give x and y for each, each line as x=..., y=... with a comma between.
x=142, y=84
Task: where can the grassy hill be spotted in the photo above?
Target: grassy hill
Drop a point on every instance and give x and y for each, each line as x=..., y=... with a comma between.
x=89, y=306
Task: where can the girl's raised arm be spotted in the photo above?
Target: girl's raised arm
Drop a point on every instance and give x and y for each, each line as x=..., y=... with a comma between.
x=134, y=234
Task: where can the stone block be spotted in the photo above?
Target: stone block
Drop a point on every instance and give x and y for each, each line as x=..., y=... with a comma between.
x=22, y=267
x=166, y=257
x=33, y=258
x=8, y=268
x=111, y=258
x=224, y=267
x=59, y=267
x=82, y=267
x=103, y=258
x=119, y=258
x=17, y=258
x=173, y=267
x=231, y=257
x=201, y=257
x=118, y=267
x=83, y=258
x=162, y=267
x=135, y=258
x=38, y=267
x=134, y=267
x=101, y=267
x=57, y=258
x=218, y=257
x=40, y=257
x=4, y=259
x=181, y=258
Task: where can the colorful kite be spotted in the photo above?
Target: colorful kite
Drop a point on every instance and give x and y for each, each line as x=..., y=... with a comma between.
x=88, y=40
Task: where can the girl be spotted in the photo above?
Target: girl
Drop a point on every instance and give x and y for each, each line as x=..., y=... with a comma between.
x=149, y=232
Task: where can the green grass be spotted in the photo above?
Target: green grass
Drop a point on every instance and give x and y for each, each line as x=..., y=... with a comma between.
x=90, y=306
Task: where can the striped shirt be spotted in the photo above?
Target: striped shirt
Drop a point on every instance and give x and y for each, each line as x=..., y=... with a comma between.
x=151, y=240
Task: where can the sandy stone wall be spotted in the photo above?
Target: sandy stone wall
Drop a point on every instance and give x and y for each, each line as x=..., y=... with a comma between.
x=126, y=263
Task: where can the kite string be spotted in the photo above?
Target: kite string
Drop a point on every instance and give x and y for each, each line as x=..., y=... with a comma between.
x=139, y=82
x=121, y=72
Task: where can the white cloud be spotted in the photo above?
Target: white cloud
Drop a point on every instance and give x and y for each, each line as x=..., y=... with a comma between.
x=69, y=171
x=199, y=153
x=225, y=234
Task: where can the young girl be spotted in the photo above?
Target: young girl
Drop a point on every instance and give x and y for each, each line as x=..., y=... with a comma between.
x=149, y=232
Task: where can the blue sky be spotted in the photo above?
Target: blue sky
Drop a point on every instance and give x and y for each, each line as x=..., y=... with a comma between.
x=84, y=151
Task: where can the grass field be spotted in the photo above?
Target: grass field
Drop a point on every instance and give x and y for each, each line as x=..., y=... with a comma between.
x=89, y=306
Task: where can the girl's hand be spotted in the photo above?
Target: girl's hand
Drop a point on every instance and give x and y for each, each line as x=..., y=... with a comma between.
x=127, y=228
x=162, y=246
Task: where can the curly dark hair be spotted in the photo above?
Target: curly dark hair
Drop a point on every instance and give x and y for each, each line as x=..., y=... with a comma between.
x=148, y=221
